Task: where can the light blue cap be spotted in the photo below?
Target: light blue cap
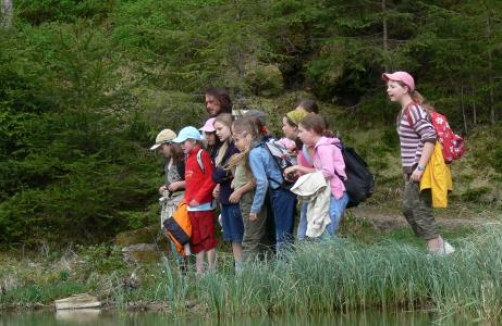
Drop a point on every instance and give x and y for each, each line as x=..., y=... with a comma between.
x=187, y=133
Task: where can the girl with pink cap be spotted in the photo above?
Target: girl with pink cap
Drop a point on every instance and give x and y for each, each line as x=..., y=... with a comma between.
x=417, y=138
x=212, y=142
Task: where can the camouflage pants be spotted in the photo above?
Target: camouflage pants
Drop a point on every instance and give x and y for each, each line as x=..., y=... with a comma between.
x=417, y=209
x=254, y=231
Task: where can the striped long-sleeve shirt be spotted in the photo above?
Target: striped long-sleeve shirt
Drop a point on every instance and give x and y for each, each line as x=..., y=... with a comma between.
x=414, y=129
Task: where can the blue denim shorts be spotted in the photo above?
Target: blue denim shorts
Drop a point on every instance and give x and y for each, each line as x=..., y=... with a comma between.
x=231, y=219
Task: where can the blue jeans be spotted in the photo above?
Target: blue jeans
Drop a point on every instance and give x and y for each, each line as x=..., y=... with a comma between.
x=301, y=232
x=336, y=208
x=283, y=206
x=231, y=218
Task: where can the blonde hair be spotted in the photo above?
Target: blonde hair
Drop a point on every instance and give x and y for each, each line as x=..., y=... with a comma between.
x=417, y=97
x=246, y=128
x=225, y=119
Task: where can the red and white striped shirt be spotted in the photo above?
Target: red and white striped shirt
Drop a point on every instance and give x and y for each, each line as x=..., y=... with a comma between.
x=412, y=137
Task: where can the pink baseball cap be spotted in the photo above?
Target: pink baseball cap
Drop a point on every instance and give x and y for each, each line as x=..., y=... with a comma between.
x=208, y=126
x=401, y=76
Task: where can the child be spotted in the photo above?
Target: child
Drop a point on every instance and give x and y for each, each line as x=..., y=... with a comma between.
x=253, y=240
x=198, y=196
x=212, y=141
x=290, y=123
x=417, y=141
x=268, y=176
x=173, y=189
x=174, y=166
x=327, y=159
x=233, y=227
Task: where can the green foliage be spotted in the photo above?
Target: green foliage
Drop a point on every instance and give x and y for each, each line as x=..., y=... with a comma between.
x=86, y=85
x=37, y=12
x=68, y=140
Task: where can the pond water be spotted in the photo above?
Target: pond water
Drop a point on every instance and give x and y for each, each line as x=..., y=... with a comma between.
x=97, y=318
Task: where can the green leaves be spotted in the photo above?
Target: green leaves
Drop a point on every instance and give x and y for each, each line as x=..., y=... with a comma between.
x=86, y=85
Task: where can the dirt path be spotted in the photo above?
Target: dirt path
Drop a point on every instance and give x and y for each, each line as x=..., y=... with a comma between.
x=388, y=219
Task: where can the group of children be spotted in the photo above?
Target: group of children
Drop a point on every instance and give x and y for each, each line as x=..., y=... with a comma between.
x=226, y=163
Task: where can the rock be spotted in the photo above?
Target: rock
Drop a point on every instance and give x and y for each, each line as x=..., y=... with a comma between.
x=78, y=301
x=141, y=252
x=143, y=245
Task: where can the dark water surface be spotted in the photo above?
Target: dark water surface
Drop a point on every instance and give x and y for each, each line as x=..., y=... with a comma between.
x=108, y=319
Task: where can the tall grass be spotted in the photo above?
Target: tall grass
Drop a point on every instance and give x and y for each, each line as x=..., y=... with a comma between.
x=345, y=275
x=315, y=278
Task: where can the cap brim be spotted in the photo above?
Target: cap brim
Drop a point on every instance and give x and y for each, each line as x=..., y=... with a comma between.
x=179, y=140
x=154, y=147
x=207, y=130
x=386, y=77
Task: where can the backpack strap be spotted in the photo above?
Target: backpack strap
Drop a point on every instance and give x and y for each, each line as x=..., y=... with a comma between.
x=407, y=113
x=341, y=147
x=199, y=161
x=307, y=156
x=264, y=144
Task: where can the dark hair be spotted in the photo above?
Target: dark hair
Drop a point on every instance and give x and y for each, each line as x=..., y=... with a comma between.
x=223, y=97
x=317, y=123
x=177, y=153
x=290, y=122
x=309, y=106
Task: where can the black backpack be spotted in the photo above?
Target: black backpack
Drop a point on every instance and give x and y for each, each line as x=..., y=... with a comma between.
x=360, y=181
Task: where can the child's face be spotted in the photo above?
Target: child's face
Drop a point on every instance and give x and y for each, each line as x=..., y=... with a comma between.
x=395, y=91
x=288, y=130
x=211, y=138
x=223, y=132
x=240, y=141
x=308, y=137
x=188, y=145
x=165, y=149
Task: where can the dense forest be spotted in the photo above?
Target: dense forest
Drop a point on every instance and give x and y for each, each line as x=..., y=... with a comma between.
x=85, y=85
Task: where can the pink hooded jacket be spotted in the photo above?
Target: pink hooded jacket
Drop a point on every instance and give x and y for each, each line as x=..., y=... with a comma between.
x=328, y=160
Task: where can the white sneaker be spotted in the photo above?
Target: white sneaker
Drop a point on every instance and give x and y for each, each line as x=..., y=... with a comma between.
x=445, y=248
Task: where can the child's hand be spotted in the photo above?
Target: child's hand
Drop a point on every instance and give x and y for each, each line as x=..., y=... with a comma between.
x=216, y=191
x=235, y=197
x=174, y=186
x=289, y=170
x=193, y=203
x=253, y=217
x=162, y=189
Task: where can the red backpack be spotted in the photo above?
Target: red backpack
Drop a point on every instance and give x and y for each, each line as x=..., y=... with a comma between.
x=453, y=144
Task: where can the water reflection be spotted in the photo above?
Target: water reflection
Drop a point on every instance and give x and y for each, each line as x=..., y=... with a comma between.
x=98, y=318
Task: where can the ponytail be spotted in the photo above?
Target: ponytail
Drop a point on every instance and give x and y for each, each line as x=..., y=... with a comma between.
x=417, y=97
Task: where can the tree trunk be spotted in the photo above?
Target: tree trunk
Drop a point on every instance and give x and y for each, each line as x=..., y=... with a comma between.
x=385, y=34
x=6, y=14
x=490, y=68
x=463, y=111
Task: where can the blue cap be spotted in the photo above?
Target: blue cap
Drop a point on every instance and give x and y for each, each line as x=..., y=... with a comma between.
x=187, y=133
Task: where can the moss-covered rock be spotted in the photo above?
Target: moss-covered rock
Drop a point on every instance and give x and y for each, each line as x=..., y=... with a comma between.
x=145, y=244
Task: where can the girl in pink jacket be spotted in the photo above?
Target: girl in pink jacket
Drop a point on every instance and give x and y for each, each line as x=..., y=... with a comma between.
x=327, y=158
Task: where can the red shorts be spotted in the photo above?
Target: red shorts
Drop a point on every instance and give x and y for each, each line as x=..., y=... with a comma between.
x=203, y=238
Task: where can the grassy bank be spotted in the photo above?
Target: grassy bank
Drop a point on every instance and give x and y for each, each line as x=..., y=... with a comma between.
x=390, y=272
